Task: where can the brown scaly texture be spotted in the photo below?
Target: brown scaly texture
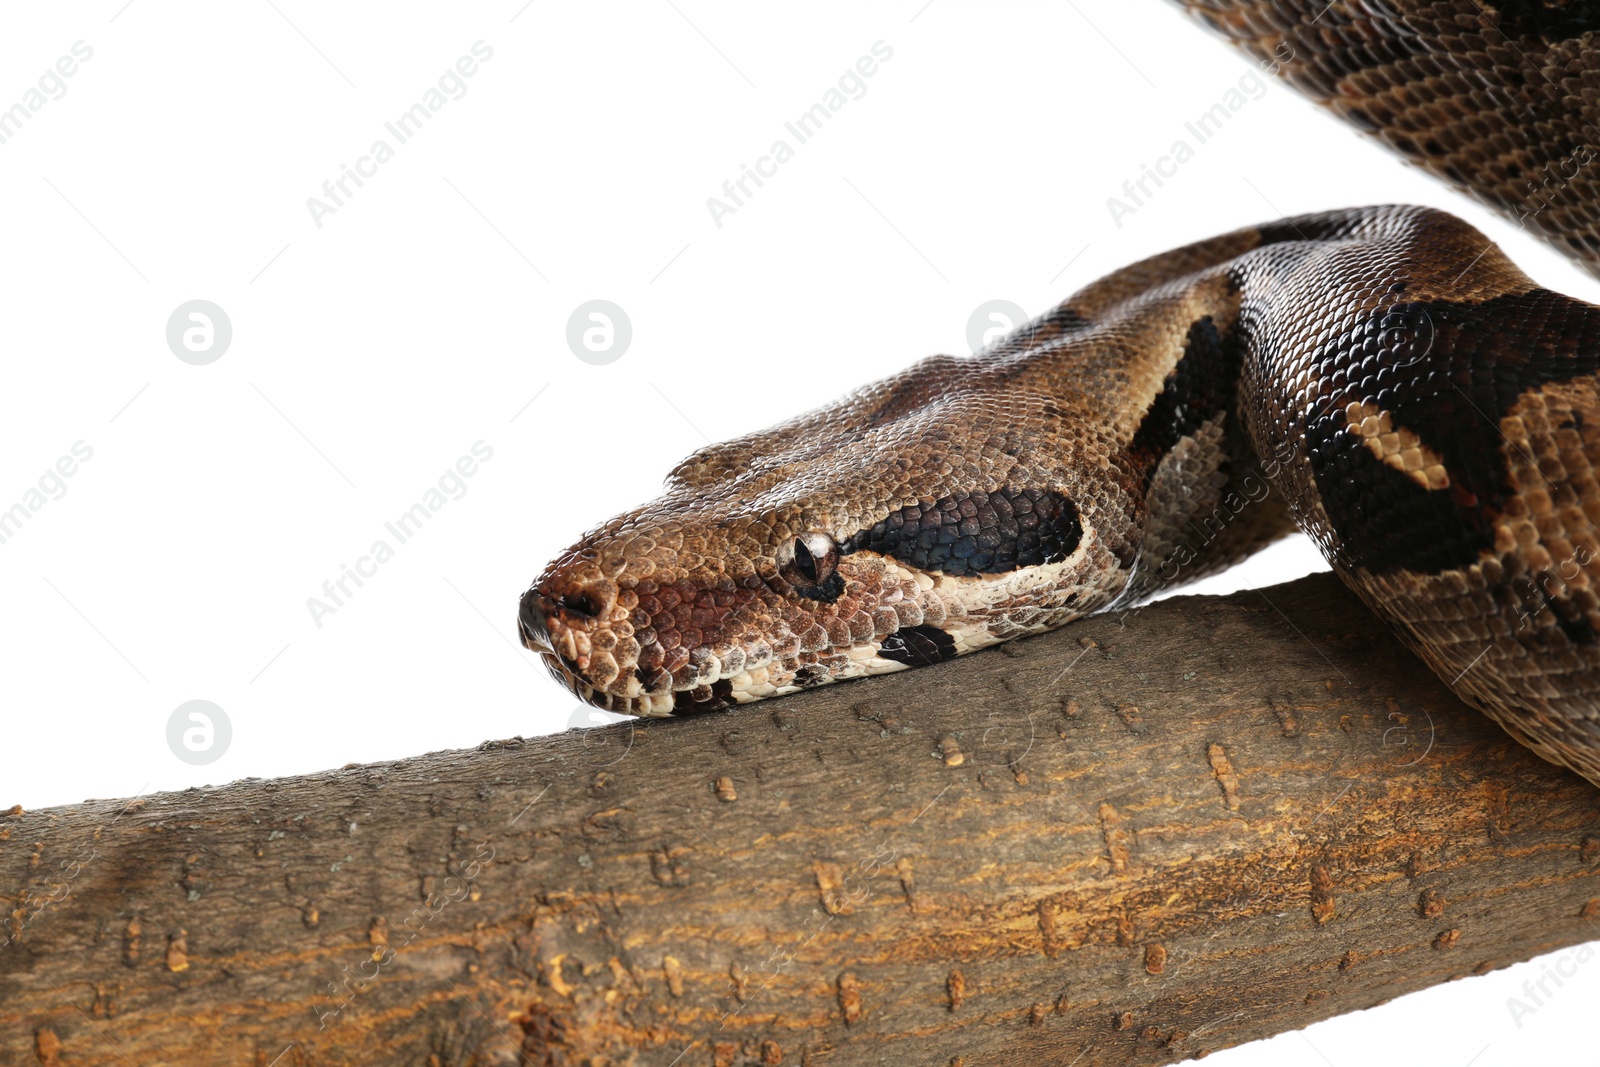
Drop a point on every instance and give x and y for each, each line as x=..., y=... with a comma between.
x=1501, y=100
x=1384, y=377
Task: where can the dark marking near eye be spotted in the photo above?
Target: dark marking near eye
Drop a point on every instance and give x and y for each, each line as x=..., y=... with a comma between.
x=977, y=533
x=714, y=697
x=918, y=646
x=1201, y=385
x=1478, y=361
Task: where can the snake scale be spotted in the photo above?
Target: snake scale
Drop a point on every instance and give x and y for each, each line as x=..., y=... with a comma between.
x=1382, y=378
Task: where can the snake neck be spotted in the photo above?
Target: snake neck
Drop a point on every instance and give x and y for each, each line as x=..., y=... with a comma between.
x=1387, y=381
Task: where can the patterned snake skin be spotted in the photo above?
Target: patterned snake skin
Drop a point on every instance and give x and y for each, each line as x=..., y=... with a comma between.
x=1383, y=378
x=1501, y=100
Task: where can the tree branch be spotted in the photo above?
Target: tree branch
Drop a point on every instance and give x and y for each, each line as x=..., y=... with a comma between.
x=1145, y=838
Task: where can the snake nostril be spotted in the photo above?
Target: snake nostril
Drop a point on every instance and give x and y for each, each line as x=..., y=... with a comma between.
x=582, y=605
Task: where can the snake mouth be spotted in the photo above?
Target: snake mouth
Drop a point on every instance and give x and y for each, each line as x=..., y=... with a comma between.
x=668, y=702
x=571, y=680
x=569, y=629
x=533, y=627
x=645, y=704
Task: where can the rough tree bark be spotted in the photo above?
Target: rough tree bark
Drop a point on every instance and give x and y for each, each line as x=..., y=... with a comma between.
x=1134, y=840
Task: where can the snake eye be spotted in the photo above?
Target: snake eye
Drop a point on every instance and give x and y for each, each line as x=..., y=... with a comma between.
x=815, y=557
x=812, y=569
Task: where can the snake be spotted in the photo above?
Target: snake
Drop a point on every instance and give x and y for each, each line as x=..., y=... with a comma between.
x=1383, y=379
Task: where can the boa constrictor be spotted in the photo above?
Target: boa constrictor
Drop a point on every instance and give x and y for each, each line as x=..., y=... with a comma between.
x=1383, y=378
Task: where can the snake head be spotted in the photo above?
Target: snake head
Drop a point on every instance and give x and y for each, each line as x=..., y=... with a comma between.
x=922, y=517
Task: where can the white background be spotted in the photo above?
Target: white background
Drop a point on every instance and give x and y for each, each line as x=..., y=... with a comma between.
x=429, y=313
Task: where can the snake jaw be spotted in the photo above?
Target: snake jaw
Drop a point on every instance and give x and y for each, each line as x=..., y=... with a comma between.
x=671, y=644
x=800, y=557
x=930, y=514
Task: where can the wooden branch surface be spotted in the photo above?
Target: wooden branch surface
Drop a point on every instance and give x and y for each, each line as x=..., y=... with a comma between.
x=1131, y=841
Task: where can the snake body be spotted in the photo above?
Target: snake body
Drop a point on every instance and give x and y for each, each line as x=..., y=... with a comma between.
x=1382, y=378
